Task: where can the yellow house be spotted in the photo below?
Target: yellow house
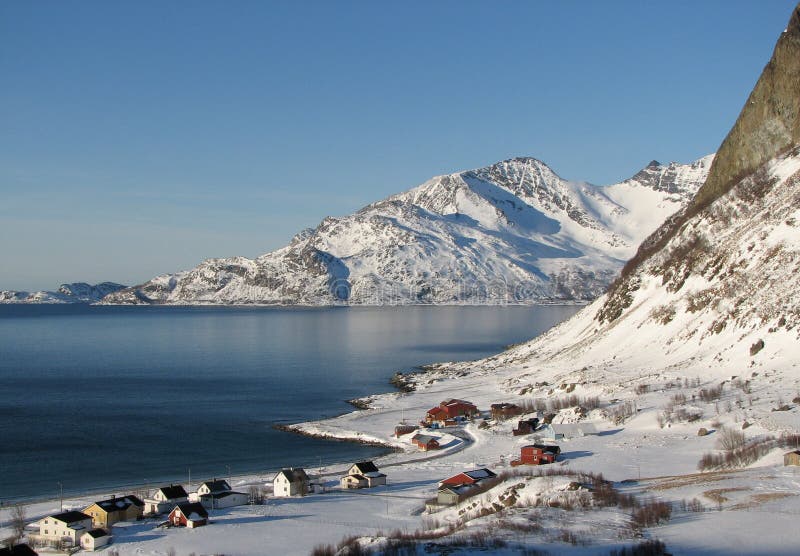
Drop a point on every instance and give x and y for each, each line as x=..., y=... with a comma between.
x=108, y=512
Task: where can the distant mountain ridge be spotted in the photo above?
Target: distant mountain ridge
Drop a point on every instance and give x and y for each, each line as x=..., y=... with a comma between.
x=77, y=292
x=511, y=232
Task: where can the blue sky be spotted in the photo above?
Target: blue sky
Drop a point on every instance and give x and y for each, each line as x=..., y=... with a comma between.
x=138, y=138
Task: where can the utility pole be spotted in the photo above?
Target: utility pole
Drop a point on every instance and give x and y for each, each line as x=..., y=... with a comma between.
x=190, y=477
x=61, y=495
x=230, y=482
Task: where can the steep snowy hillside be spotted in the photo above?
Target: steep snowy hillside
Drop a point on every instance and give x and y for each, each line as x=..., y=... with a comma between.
x=511, y=232
x=714, y=293
x=78, y=292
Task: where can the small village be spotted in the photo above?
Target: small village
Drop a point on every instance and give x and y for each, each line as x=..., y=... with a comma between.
x=176, y=506
x=92, y=528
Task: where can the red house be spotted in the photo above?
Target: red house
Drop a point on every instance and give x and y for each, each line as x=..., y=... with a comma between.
x=436, y=415
x=189, y=514
x=468, y=478
x=537, y=454
x=459, y=408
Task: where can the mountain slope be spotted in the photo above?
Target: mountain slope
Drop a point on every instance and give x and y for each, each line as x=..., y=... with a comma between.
x=514, y=231
x=714, y=292
x=78, y=292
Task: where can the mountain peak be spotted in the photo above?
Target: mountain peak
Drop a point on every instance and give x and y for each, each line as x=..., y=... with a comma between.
x=512, y=231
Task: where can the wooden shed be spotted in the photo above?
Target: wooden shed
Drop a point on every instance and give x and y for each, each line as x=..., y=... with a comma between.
x=791, y=458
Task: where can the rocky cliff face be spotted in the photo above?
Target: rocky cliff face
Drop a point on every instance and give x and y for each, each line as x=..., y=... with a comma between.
x=768, y=126
x=767, y=129
x=511, y=232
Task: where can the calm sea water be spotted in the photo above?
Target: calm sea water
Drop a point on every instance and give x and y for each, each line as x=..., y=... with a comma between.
x=95, y=397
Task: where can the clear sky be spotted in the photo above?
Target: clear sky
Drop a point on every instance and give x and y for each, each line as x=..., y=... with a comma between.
x=141, y=137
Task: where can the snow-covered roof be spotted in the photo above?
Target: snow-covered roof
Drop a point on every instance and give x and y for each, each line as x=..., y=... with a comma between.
x=573, y=429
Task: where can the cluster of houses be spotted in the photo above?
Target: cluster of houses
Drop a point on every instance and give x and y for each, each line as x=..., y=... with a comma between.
x=90, y=529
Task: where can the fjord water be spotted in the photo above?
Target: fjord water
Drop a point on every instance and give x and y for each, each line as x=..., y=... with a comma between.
x=98, y=397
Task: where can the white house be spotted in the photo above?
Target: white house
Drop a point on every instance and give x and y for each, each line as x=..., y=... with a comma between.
x=566, y=430
x=214, y=486
x=290, y=482
x=225, y=499
x=94, y=539
x=218, y=494
x=164, y=499
x=363, y=474
x=66, y=527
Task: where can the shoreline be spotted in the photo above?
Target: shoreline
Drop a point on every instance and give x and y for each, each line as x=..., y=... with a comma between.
x=543, y=303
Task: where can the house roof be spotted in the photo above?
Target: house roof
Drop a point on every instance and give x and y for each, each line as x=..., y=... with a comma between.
x=71, y=516
x=455, y=401
x=18, y=550
x=366, y=467
x=357, y=477
x=469, y=477
x=189, y=508
x=504, y=405
x=573, y=429
x=118, y=504
x=293, y=474
x=173, y=491
x=216, y=485
x=480, y=474
x=227, y=493
x=436, y=410
x=424, y=438
x=97, y=533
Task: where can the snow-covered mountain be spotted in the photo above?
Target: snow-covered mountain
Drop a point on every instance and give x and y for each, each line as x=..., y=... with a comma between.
x=511, y=232
x=78, y=292
x=715, y=291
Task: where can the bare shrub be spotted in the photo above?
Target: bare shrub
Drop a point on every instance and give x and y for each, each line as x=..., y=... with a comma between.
x=605, y=495
x=642, y=389
x=350, y=546
x=528, y=526
x=748, y=453
x=592, y=402
x=684, y=415
x=730, y=439
x=651, y=513
x=323, y=550
x=567, y=536
x=645, y=548
x=695, y=505
x=743, y=385
x=620, y=413
x=710, y=394
x=256, y=494
x=17, y=522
